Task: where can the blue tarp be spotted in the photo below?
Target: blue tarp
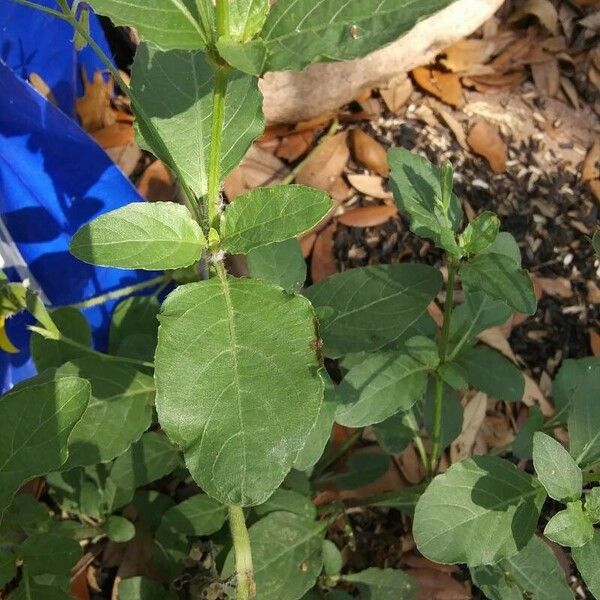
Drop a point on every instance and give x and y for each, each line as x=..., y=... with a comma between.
x=53, y=178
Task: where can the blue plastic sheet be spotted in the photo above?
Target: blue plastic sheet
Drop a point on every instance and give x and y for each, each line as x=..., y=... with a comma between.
x=53, y=178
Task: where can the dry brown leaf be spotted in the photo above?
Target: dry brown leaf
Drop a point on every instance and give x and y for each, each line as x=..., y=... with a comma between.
x=466, y=54
x=322, y=263
x=594, y=76
x=93, y=107
x=455, y=126
x=495, y=337
x=126, y=157
x=294, y=145
x=369, y=152
x=42, y=87
x=259, y=168
x=492, y=84
x=559, y=287
x=517, y=53
x=157, y=183
x=485, y=140
x=595, y=342
x=591, y=164
x=593, y=292
x=533, y=395
x=307, y=242
x=368, y=216
x=370, y=185
x=78, y=587
x=546, y=76
x=594, y=186
x=397, y=93
x=371, y=106
x=435, y=585
x=543, y=10
x=570, y=92
x=325, y=167
x=445, y=86
x=473, y=418
x=410, y=465
x=115, y=135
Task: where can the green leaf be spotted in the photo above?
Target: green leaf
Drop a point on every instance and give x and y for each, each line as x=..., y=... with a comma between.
x=8, y=566
x=592, y=504
x=454, y=375
x=394, y=434
x=479, y=233
x=49, y=554
x=247, y=57
x=332, y=559
x=570, y=527
x=119, y=529
x=584, y=420
x=372, y=306
x=288, y=501
x=40, y=416
x=478, y=512
x=246, y=18
x=167, y=23
x=300, y=32
x=416, y=184
x=555, y=468
x=145, y=461
x=535, y=571
x=499, y=277
x=141, y=235
x=250, y=347
x=141, y=588
x=286, y=551
x=452, y=413
x=571, y=375
x=596, y=242
x=385, y=384
x=49, y=353
x=185, y=105
x=150, y=507
x=280, y=263
x=506, y=245
x=522, y=446
x=35, y=590
x=267, y=215
x=362, y=469
x=492, y=373
x=319, y=435
x=120, y=395
x=587, y=559
x=476, y=314
x=383, y=584
x=25, y=516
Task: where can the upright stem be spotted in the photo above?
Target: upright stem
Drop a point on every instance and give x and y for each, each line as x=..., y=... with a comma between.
x=222, y=10
x=436, y=434
x=246, y=587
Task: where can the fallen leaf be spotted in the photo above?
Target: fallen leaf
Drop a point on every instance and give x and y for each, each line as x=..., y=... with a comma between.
x=455, y=126
x=93, y=108
x=445, y=86
x=371, y=106
x=322, y=263
x=78, y=587
x=370, y=185
x=307, y=242
x=434, y=585
x=295, y=144
x=570, y=92
x=533, y=395
x=485, y=140
x=126, y=157
x=543, y=10
x=559, y=287
x=397, y=93
x=369, y=152
x=594, y=186
x=595, y=342
x=591, y=164
x=462, y=56
x=593, y=292
x=492, y=84
x=42, y=87
x=495, y=337
x=410, y=465
x=368, y=216
x=112, y=136
x=472, y=420
x=157, y=183
x=546, y=76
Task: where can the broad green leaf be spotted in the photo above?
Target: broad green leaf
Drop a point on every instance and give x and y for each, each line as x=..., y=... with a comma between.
x=288, y=501
x=572, y=373
x=499, y=277
x=300, y=32
x=286, y=552
x=452, y=413
x=118, y=529
x=478, y=512
x=383, y=584
x=319, y=435
x=454, y=375
x=405, y=500
x=38, y=417
x=332, y=559
x=416, y=184
x=596, y=242
x=555, y=468
x=266, y=215
x=247, y=57
x=592, y=504
x=281, y=263
x=25, y=516
x=394, y=434
x=36, y=590
x=584, y=419
x=120, y=395
x=246, y=18
x=145, y=461
x=8, y=566
x=506, y=245
x=479, y=233
x=476, y=314
x=141, y=235
x=142, y=588
x=361, y=470
x=175, y=90
x=570, y=527
x=522, y=446
x=492, y=373
x=535, y=571
x=255, y=392
x=385, y=384
x=48, y=553
x=48, y=353
x=167, y=23
x=587, y=559
x=150, y=507
x=370, y=307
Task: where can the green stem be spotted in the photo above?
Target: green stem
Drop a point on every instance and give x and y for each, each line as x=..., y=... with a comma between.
x=246, y=587
x=448, y=305
x=48, y=11
x=125, y=291
x=417, y=439
x=222, y=10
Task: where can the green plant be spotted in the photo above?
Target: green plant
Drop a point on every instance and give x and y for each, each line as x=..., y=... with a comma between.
x=244, y=406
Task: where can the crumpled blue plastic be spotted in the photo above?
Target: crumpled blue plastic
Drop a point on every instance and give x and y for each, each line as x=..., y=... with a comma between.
x=53, y=178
